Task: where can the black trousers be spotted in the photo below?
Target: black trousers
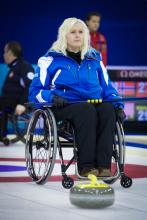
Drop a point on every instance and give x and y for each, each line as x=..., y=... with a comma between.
x=94, y=130
x=7, y=105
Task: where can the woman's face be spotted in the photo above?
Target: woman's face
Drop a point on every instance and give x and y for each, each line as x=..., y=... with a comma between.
x=75, y=37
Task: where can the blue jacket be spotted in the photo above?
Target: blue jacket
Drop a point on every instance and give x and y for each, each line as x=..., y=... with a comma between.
x=57, y=74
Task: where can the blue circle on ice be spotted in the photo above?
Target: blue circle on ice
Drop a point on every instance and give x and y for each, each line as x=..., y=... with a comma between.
x=10, y=168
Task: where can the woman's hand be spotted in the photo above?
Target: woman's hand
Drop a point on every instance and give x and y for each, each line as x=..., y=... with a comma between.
x=120, y=114
x=59, y=101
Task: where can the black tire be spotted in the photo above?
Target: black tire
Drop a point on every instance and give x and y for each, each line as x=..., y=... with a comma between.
x=41, y=145
x=121, y=143
x=67, y=182
x=118, y=154
x=126, y=181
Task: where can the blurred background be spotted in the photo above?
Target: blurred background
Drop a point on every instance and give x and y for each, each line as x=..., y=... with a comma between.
x=35, y=24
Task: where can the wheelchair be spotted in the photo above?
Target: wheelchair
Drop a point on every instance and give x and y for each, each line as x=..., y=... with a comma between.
x=18, y=126
x=45, y=136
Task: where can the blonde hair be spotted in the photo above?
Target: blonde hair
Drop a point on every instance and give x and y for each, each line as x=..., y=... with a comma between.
x=60, y=44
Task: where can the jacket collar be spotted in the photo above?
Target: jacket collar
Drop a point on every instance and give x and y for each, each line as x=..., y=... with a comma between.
x=91, y=54
x=14, y=62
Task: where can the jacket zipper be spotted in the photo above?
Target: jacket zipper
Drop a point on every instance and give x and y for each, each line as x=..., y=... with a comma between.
x=89, y=67
x=76, y=76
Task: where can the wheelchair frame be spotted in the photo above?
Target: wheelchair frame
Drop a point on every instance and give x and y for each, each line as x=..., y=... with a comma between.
x=46, y=140
x=19, y=126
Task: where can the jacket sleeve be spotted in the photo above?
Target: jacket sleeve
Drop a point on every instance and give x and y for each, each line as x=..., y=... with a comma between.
x=27, y=74
x=108, y=91
x=40, y=87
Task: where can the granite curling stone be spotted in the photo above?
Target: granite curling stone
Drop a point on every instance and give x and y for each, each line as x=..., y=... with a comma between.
x=93, y=195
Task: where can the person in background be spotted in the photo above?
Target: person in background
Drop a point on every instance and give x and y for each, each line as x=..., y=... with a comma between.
x=15, y=88
x=67, y=76
x=98, y=40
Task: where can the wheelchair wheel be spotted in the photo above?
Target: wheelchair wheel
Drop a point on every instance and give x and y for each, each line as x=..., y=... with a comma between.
x=118, y=149
x=121, y=143
x=20, y=125
x=118, y=157
x=41, y=145
x=67, y=182
x=125, y=181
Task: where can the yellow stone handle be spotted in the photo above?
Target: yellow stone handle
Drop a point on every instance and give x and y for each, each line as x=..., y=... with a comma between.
x=94, y=101
x=93, y=179
x=93, y=184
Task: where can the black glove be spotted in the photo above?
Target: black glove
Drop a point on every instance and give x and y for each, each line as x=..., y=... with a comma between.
x=59, y=102
x=120, y=115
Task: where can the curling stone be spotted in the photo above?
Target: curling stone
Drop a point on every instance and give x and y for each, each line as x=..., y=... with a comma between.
x=92, y=195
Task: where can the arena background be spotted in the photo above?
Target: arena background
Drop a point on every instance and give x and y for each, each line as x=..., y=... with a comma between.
x=35, y=24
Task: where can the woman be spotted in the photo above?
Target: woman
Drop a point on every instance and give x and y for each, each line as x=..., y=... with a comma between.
x=72, y=71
